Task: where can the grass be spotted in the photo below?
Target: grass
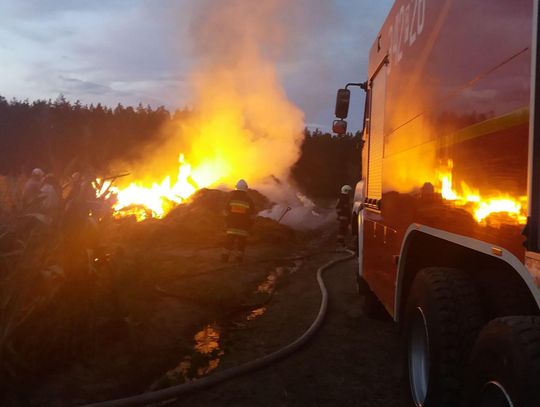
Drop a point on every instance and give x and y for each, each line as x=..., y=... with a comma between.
x=59, y=308
x=50, y=293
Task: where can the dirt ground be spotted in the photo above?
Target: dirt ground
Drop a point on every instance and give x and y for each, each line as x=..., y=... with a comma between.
x=180, y=314
x=353, y=360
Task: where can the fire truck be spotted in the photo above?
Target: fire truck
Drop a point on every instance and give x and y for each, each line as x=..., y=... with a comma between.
x=448, y=207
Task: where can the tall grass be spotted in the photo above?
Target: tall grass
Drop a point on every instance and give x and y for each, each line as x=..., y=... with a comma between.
x=51, y=297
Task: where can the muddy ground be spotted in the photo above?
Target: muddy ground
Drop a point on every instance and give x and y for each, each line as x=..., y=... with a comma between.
x=352, y=360
x=181, y=315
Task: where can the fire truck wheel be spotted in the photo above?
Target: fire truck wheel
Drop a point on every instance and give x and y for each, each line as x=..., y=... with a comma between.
x=502, y=300
x=442, y=318
x=371, y=306
x=505, y=364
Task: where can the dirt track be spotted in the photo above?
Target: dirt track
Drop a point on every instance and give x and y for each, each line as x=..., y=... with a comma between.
x=352, y=361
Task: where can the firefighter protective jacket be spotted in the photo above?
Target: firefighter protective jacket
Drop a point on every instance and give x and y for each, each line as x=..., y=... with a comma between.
x=344, y=207
x=239, y=213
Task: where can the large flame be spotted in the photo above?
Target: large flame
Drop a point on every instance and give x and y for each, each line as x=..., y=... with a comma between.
x=155, y=200
x=483, y=208
x=244, y=126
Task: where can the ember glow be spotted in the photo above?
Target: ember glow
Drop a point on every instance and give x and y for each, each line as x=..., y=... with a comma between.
x=513, y=210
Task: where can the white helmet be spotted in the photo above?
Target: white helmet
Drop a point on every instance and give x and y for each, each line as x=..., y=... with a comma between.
x=345, y=189
x=242, y=185
x=37, y=172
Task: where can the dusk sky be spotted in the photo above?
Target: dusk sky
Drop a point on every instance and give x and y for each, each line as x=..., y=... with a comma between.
x=132, y=51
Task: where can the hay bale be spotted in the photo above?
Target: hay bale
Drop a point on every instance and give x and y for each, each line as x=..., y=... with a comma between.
x=200, y=220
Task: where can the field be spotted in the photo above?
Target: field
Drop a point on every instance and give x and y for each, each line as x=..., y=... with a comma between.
x=80, y=325
x=153, y=306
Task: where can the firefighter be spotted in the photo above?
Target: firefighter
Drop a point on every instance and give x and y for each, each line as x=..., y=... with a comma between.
x=51, y=197
x=239, y=214
x=32, y=188
x=344, y=212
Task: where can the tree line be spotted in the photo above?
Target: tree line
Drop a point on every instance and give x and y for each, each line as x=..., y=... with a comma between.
x=327, y=162
x=61, y=137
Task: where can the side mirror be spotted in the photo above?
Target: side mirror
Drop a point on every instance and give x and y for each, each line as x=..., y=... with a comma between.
x=339, y=126
x=342, y=103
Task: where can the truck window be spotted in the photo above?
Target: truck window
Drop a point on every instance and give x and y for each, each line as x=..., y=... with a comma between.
x=376, y=135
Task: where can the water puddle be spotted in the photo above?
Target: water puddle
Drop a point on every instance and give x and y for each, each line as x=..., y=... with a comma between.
x=256, y=313
x=207, y=350
x=269, y=285
x=207, y=340
x=204, y=359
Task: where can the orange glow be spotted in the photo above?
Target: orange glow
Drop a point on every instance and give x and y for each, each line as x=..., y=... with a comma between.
x=514, y=210
x=240, y=137
x=156, y=200
x=243, y=125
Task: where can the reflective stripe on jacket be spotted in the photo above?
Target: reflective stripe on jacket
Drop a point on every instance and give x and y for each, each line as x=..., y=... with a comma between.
x=237, y=232
x=239, y=212
x=241, y=207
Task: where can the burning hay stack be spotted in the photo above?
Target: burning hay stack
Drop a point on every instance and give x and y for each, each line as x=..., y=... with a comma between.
x=245, y=126
x=200, y=221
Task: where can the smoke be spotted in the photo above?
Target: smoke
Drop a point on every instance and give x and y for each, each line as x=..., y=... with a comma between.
x=244, y=124
x=245, y=127
x=294, y=209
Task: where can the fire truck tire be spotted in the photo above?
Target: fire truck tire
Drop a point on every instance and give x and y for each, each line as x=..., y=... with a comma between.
x=443, y=316
x=505, y=364
x=371, y=306
x=501, y=299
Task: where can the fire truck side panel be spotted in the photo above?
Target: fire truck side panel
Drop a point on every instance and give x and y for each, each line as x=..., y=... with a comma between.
x=448, y=136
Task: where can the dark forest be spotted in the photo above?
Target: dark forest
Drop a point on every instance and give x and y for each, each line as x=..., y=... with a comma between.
x=62, y=137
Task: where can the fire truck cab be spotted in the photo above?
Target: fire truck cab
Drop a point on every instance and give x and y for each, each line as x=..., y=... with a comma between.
x=448, y=208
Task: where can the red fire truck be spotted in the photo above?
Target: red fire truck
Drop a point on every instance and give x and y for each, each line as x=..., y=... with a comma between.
x=448, y=208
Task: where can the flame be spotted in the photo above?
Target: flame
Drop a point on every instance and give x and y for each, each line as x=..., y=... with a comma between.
x=156, y=200
x=513, y=209
x=243, y=125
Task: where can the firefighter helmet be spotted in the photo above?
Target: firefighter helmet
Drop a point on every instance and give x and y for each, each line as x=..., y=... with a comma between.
x=37, y=172
x=345, y=189
x=242, y=185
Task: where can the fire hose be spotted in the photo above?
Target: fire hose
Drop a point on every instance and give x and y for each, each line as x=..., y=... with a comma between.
x=173, y=392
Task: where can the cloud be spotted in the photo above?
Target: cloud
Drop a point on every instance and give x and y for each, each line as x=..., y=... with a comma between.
x=78, y=86
x=133, y=51
x=39, y=9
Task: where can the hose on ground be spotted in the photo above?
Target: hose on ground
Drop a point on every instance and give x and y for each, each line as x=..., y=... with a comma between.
x=218, y=377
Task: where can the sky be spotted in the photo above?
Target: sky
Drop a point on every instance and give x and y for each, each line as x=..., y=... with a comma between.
x=141, y=51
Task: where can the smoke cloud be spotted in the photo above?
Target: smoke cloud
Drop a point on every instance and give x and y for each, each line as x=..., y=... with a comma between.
x=245, y=126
